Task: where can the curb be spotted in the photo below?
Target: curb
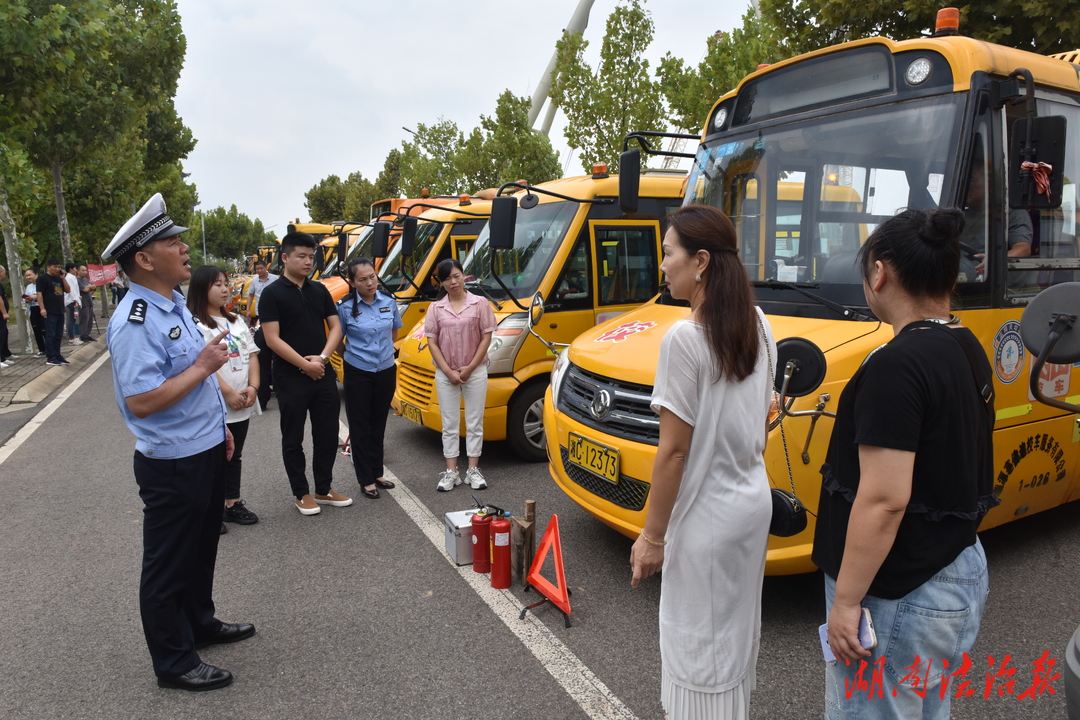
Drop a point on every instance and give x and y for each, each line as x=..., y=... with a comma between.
x=54, y=377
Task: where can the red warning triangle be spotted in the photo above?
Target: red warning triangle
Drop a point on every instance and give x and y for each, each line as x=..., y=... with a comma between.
x=557, y=595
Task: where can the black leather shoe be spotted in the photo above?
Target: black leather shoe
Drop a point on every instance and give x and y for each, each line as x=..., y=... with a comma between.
x=385, y=484
x=229, y=633
x=201, y=677
x=372, y=493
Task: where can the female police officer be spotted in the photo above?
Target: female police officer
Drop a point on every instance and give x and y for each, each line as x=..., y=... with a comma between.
x=163, y=376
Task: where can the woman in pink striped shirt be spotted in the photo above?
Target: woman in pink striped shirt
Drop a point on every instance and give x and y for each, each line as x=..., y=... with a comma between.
x=458, y=329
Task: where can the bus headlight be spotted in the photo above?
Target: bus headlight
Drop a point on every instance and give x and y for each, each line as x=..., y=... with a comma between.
x=918, y=71
x=558, y=373
x=505, y=343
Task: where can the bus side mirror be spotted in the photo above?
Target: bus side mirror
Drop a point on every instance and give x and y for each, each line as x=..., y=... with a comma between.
x=1047, y=145
x=342, y=248
x=502, y=222
x=536, y=309
x=380, y=239
x=408, y=235
x=320, y=258
x=800, y=367
x=1050, y=329
x=629, y=180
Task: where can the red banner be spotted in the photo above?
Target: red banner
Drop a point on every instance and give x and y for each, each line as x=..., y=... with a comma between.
x=102, y=274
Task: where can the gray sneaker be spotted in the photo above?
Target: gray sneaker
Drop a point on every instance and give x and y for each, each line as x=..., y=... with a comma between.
x=447, y=480
x=475, y=478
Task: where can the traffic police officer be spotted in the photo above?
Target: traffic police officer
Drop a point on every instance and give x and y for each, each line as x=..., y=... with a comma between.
x=163, y=376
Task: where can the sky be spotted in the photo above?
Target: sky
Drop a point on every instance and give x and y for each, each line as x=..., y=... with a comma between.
x=282, y=93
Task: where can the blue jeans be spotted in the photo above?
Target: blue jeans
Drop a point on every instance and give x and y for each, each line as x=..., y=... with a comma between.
x=936, y=621
x=54, y=330
x=71, y=321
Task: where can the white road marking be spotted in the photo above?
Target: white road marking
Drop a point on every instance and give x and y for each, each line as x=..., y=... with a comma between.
x=28, y=429
x=587, y=690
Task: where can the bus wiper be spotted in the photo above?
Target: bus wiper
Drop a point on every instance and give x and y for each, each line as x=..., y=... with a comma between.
x=479, y=285
x=848, y=313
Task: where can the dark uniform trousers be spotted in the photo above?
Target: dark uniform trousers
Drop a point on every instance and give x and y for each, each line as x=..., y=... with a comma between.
x=300, y=396
x=183, y=498
x=266, y=357
x=367, y=405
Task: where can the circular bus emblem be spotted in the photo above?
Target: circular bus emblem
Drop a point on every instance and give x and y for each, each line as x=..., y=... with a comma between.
x=601, y=405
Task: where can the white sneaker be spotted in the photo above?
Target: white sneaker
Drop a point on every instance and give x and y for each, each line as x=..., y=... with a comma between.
x=475, y=478
x=76, y=341
x=5, y=364
x=448, y=479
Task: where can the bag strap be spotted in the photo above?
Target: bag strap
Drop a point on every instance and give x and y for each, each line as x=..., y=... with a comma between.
x=984, y=387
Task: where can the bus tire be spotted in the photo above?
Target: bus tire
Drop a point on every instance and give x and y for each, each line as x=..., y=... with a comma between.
x=525, y=422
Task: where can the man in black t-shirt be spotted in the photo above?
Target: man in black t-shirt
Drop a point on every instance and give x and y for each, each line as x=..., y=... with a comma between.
x=293, y=312
x=51, y=287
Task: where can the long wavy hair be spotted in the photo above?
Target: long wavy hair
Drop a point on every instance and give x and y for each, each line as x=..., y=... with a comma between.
x=201, y=281
x=727, y=312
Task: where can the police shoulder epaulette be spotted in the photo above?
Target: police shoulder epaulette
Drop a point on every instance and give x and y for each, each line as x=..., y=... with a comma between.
x=138, y=312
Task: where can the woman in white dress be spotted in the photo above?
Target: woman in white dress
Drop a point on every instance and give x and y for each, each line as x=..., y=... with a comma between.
x=709, y=507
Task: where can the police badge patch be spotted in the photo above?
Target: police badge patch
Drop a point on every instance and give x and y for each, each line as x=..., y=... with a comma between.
x=138, y=312
x=174, y=334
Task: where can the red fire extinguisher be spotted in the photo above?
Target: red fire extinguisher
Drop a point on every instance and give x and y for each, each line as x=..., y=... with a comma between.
x=500, y=553
x=481, y=532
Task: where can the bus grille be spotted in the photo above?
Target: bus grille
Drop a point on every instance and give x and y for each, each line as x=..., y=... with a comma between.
x=416, y=384
x=630, y=416
x=629, y=493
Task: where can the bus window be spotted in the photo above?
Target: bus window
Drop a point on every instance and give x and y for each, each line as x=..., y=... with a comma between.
x=1054, y=246
x=626, y=264
x=572, y=291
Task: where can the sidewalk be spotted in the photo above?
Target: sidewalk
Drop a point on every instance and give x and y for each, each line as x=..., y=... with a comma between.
x=30, y=380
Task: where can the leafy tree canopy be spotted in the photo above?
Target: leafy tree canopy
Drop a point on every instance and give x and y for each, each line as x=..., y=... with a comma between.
x=1041, y=26
x=603, y=104
x=729, y=58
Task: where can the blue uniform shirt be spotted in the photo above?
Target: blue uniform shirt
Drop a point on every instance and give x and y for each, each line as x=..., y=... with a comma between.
x=369, y=343
x=146, y=354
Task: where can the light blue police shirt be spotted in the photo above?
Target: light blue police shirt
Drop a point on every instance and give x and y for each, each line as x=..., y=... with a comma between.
x=146, y=354
x=369, y=342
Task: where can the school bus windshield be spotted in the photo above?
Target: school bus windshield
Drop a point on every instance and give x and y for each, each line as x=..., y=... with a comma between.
x=537, y=235
x=804, y=196
x=391, y=271
x=359, y=246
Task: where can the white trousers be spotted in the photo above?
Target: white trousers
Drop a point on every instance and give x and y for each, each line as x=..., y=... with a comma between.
x=474, y=391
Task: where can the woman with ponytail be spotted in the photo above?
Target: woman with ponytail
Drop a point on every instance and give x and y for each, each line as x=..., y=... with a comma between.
x=709, y=506
x=907, y=478
x=369, y=326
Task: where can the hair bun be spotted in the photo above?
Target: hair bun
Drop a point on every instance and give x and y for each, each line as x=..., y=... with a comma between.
x=942, y=226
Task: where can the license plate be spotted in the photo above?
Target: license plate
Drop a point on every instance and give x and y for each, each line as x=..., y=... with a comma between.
x=411, y=412
x=595, y=458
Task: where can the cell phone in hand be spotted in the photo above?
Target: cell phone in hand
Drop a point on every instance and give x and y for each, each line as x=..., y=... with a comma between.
x=867, y=636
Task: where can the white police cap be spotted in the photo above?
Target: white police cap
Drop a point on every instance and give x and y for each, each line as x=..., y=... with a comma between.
x=152, y=222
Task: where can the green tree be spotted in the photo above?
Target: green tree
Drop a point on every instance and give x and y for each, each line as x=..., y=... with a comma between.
x=326, y=201
x=1040, y=26
x=502, y=148
x=603, y=104
x=388, y=184
x=430, y=160
x=691, y=93
x=115, y=62
x=232, y=235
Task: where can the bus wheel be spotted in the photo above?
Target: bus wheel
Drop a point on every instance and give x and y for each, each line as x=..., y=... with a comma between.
x=525, y=423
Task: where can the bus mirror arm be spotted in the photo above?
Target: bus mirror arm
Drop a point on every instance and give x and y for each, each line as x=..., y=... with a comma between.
x=531, y=189
x=790, y=369
x=505, y=289
x=536, y=313
x=1062, y=322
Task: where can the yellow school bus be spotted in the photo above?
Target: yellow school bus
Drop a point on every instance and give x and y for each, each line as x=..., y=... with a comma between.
x=440, y=234
x=589, y=259
x=861, y=129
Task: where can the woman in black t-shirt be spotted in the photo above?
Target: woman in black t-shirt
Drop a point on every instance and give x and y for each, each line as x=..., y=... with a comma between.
x=907, y=479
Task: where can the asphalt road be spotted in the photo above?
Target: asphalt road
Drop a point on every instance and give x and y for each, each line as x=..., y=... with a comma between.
x=359, y=615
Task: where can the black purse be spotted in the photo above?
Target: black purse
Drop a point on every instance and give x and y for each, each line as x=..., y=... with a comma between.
x=788, y=512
